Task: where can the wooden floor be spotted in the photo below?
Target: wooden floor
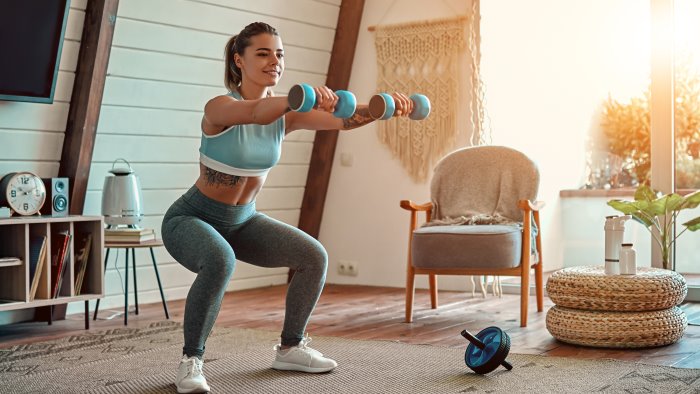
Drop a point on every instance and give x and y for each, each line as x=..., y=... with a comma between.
x=365, y=312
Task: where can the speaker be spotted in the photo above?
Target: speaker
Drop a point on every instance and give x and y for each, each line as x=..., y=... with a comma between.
x=56, y=197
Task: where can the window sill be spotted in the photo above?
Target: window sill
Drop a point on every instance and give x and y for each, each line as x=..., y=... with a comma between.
x=622, y=192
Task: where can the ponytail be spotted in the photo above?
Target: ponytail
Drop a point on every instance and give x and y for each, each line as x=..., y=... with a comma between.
x=232, y=74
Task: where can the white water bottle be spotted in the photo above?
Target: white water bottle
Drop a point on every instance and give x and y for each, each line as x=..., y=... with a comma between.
x=612, y=267
x=628, y=256
x=614, y=233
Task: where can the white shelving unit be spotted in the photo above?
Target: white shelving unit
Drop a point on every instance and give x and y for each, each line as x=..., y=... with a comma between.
x=15, y=236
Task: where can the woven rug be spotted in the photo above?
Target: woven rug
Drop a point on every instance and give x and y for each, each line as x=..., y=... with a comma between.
x=131, y=360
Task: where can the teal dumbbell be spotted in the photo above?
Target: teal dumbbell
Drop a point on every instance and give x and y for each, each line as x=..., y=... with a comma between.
x=382, y=106
x=302, y=98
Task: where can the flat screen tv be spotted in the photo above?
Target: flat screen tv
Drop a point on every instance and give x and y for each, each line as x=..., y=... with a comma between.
x=31, y=39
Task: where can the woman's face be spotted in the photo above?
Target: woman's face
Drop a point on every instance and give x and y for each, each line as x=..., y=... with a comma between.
x=262, y=62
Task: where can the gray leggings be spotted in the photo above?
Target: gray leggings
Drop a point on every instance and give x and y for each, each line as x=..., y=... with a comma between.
x=207, y=236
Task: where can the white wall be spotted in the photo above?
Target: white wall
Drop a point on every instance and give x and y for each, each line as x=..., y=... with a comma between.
x=362, y=220
x=583, y=241
x=166, y=62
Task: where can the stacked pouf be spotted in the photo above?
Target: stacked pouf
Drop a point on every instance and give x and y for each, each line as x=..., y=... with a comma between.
x=624, y=311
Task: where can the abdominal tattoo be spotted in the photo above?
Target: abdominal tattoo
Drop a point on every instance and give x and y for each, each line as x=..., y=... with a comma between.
x=360, y=118
x=217, y=178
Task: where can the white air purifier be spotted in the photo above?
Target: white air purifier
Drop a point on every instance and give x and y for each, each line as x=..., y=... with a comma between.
x=122, y=203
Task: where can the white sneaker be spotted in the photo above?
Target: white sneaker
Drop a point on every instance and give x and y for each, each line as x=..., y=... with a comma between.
x=190, y=378
x=302, y=358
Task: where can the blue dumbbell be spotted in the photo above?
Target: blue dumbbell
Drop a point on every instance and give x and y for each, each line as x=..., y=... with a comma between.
x=382, y=106
x=302, y=98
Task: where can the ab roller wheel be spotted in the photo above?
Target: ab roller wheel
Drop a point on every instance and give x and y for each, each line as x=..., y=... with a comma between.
x=382, y=106
x=302, y=98
x=487, y=350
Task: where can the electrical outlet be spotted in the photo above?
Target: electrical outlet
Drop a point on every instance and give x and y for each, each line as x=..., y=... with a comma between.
x=352, y=268
x=346, y=267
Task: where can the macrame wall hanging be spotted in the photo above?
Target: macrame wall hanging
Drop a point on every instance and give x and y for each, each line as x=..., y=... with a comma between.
x=421, y=57
x=478, y=117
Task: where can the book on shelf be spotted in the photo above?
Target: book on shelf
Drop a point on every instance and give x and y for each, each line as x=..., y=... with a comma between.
x=61, y=246
x=10, y=261
x=129, y=235
x=128, y=231
x=81, y=260
x=64, y=280
x=37, y=256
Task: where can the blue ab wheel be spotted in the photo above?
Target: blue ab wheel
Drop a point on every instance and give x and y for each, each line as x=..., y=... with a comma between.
x=487, y=350
x=421, y=107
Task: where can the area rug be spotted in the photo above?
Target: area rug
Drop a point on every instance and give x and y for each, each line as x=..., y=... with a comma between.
x=133, y=360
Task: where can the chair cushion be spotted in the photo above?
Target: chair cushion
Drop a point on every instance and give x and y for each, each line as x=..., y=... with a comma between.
x=470, y=246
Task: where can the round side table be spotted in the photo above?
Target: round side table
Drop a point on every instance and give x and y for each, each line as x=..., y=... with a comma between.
x=624, y=311
x=132, y=246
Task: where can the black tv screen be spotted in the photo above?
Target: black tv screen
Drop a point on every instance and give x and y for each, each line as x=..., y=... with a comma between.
x=31, y=38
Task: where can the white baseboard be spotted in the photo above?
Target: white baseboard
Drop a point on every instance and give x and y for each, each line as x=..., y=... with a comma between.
x=153, y=296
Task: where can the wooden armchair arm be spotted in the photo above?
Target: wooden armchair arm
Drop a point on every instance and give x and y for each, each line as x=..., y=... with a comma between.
x=414, y=208
x=527, y=205
x=410, y=206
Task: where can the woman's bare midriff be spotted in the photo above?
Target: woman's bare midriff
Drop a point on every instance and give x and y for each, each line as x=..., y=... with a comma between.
x=244, y=191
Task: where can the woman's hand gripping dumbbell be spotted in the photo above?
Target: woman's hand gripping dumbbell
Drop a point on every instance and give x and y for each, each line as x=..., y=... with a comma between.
x=303, y=98
x=383, y=106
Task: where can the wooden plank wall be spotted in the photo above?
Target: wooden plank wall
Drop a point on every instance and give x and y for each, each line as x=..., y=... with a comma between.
x=86, y=100
x=166, y=62
x=163, y=68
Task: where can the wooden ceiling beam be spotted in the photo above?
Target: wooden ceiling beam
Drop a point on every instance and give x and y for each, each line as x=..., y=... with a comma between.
x=86, y=100
x=338, y=77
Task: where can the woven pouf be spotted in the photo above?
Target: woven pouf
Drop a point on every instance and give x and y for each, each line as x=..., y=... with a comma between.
x=589, y=288
x=599, y=310
x=616, y=329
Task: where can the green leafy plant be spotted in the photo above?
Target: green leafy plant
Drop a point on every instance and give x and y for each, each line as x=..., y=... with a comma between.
x=658, y=213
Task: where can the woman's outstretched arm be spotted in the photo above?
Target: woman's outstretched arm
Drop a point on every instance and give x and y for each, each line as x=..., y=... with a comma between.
x=225, y=111
x=323, y=118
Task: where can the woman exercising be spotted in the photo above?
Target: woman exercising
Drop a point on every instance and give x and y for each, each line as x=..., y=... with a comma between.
x=215, y=222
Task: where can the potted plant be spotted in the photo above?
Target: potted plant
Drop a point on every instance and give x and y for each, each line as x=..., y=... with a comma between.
x=659, y=212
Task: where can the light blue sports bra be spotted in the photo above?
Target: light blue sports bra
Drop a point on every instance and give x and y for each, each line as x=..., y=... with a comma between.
x=243, y=150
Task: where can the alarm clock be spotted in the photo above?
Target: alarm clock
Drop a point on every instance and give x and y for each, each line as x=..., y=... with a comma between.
x=23, y=192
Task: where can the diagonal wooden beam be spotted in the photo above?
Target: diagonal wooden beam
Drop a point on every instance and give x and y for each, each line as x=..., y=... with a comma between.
x=90, y=73
x=338, y=77
x=84, y=112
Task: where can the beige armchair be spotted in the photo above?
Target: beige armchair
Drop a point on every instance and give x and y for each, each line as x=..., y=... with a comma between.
x=482, y=220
